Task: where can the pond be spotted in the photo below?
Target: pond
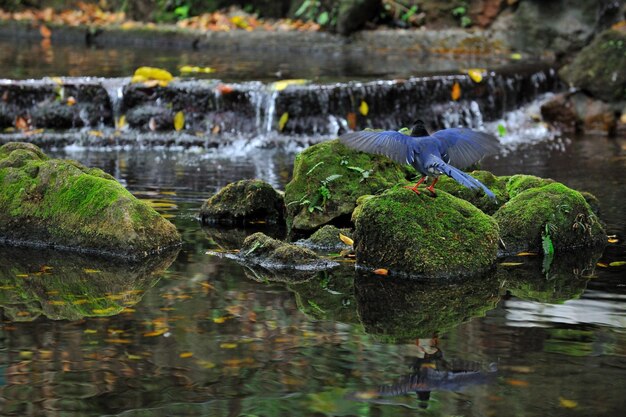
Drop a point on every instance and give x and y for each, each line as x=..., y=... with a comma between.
x=206, y=336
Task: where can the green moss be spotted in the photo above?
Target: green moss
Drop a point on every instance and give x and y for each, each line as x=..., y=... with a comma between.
x=496, y=184
x=518, y=183
x=346, y=174
x=566, y=214
x=62, y=203
x=424, y=235
x=327, y=238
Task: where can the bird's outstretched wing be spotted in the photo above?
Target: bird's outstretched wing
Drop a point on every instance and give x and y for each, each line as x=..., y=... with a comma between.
x=459, y=176
x=393, y=144
x=465, y=147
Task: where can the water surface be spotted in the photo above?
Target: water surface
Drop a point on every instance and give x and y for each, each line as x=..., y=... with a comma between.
x=208, y=337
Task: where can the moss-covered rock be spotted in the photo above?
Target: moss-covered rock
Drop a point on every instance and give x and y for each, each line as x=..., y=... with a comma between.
x=59, y=203
x=274, y=254
x=553, y=209
x=69, y=286
x=327, y=238
x=521, y=182
x=327, y=180
x=424, y=235
x=244, y=202
x=403, y=310
x=496, y=184
x=599, y=67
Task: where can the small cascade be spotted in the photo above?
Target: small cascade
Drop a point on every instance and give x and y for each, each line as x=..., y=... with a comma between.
x=114, y=88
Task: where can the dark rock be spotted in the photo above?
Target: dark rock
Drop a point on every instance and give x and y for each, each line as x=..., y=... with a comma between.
x=353, y=14
x=554, y=210
x=60, y=203
x=244, y=202
x=55, y=116
x=327, y=180
x=150, y=117
x=7, y=115
x=420, y=235
x=599, y=67
x=560, y=113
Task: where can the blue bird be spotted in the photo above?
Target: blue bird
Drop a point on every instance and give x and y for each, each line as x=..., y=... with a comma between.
x=443, y=152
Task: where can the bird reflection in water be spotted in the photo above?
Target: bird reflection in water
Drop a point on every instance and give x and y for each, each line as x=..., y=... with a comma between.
x=431, y=372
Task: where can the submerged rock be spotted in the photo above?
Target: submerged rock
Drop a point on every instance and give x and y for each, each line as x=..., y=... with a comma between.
x=244, y=202
x=61, y=203
x=552, y=211
x=327, y=180
x=414, y=234
x=274, y=254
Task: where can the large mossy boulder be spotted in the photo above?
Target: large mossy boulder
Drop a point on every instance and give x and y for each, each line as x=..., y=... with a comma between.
x=549, y=211
x=600, y=67
x=60, y=203
x=327, y=180
x=244, y=202
x=421, y=235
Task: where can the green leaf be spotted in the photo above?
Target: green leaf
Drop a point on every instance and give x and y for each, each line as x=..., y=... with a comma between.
x=323, y=19
x=501, y=130
x=465, y=21
x=331, y=178
x=357, y=169
x=546, y=242
x=314, y=166
x=303, y=7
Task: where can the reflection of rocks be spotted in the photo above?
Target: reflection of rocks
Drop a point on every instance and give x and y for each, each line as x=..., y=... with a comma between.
x=328, y=297
x=231, y=238
x=402, y=310
x=60, y=285
x=264, y=275
x=563, y=278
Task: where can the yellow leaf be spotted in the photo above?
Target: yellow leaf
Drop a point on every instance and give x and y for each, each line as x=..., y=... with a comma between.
x=179, y=121
x=456, y=91
x=26, y=354
x=602, y=265
x=381, y=271
x=96, y=133
x=22, y=275
x=364, y=108
x=143, y=74
x=526, y=254
x=345, y=239
x=186, y=69
x=511, y=263
x=155, y=333
x=121, y=122
x=612, y=240
x=206, y=364
x=565, y=403
x=618, y=263
x=91, y=271
x=57, y=80
x=108, y=310
x=476, y=74
x=57, y=302
x=71, y=101
x=282, y=84
x=186, y=355
x=118, y=341
x=219, y=320
x=133, y=357
x=517, y=382
x=283, y=121
x=228, y=345
x=516, y=56
x=90, y=331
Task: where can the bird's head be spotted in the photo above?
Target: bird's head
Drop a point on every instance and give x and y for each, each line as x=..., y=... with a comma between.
x=419, y=129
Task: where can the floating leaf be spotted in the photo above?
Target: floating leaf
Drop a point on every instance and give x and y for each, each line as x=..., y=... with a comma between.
x=187, y=69
x=517, y=382
x=133, y=357
x=91, y=271
x=613, y=240
x=511, y=263
x=118, y=341
x=283, y=121
x=103, y=311
x=90, y=331
x=565, y=403
x=228, y=345
x=618, y=263
x=526, y=254
x=179, y=121
x=345, y=239
x=456, y=91
x=516, y=56
x=186, y=355
x=45, y=32
x=219, y=320
x=602, y=265
x=155, y=333
x=381, y=271
x=351, y=119
x=364, y=108
x=476, y=74
x=206, y=364
x=282, y=84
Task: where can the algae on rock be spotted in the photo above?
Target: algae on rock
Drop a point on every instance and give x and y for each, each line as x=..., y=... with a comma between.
x=423, y=235
x=327, y=180
x=553, y=211
x=59, y=203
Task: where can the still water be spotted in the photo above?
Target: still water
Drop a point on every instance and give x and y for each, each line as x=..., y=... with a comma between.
x=197, y=335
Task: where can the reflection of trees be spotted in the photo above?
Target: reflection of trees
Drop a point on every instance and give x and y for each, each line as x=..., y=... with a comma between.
x=61, y=285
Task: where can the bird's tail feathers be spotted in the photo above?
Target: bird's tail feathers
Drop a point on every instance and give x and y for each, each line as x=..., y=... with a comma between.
x=466, y=180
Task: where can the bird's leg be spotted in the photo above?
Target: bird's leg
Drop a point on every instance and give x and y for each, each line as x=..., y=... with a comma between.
x=414, y=188
x=431, y=187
